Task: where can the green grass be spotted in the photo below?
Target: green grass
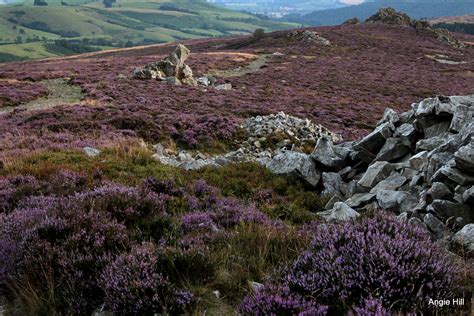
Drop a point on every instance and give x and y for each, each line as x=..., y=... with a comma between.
x=291, y=200
x=128, y=20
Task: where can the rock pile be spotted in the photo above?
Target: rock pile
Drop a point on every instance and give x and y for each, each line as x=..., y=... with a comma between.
x=171, y=69
x=308, y=36
x=392, y=17
x=419, y=164
x=266, y=137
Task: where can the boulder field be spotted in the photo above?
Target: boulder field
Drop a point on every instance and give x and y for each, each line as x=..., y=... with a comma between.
x=418, y=164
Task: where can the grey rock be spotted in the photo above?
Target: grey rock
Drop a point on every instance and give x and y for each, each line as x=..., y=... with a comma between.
x=225, y=86
x=368, y=147
x=407, y=133
x=360, y=199
x=417, y=222
x=325, y=154
x=451, y=176
x=468, y=196
x=464, y=158
x=409, y=203
x=419, y=161
x=332, y=201
x=435, y=162
x=439, y=191
x=462, y=117
x=390, y=116
x=339, y=213
x=430, y=143
x=409, y=173
x=434, y=225
x=91, y=152
x=393, y=182
x=465, y=239
x=446, y=105
x=332, y=183
x=393, y=149
x=376, y=173
x=173, y=80
x=436, y=129
x=293, y=163
x=425, y=107
x=390, y=199
x=447, y=209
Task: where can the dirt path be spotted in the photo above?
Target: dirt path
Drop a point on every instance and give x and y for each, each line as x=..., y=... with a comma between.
x=60, y=92
x=254, y=66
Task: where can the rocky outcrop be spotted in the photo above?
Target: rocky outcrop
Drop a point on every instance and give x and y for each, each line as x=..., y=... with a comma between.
x=419, y=164
x=266, y=137
x=308, y=36
x=391, y=17
x=174, y=70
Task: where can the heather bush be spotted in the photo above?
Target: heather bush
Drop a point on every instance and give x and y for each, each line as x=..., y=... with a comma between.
x=133, y=285
x=273, y=300
x=393, y=263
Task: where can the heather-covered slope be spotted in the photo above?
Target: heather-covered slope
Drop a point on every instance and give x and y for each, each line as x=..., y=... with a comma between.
x=114, y=229
x=345, y=86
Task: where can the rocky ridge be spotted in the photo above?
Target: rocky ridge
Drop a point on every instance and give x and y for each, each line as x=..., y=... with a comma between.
x=391, y=17
x=266, y=137
x=419, y=164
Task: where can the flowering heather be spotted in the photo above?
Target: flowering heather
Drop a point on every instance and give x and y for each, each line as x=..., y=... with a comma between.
x=13, y=93
x=273, y=300
x=345, y=86
x=395, y=263
x=133, y=285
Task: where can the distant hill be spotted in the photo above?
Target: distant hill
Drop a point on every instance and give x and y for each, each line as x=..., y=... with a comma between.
x=460, y=24
x=75, y=26
x=417, y=9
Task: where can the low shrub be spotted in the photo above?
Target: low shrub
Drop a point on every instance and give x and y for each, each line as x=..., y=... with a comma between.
x=382, y=258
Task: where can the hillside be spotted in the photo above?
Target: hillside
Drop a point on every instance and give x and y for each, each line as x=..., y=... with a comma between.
x=317, y=171
x=29, y=31
x=420, y=9
x=460, y=24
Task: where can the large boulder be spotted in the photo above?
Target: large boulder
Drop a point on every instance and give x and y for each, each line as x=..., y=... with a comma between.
x=171, y=69
x=326, y=154
x=295, y=164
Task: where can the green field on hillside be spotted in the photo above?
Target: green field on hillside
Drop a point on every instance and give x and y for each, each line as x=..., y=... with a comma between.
x=75, y=26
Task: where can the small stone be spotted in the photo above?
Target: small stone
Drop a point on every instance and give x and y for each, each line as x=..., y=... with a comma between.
x=464, y=158
x=439, y=191
x=91, y=152
x=225, y=86
x=339, y=213
x=360, y=199
x=434, y=225
x=393, y=182
x=376, y=173
x=390, y=199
